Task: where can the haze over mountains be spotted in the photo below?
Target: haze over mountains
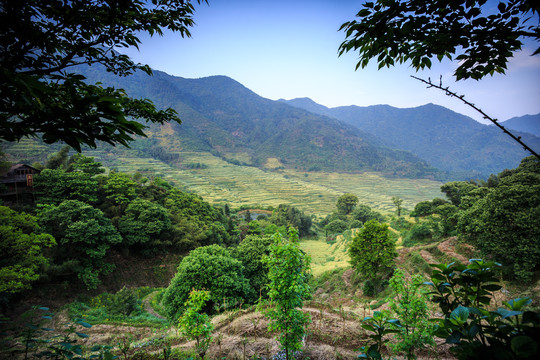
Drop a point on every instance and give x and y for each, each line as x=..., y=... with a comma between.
x=445, y=139
x=527, y=123
x=222, y=116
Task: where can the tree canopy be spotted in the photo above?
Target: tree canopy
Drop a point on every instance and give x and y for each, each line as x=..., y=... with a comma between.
x=469, y=32
x=22, y=248
x=211, y=268
x=372, y=251
x=502, y=222
x=84, y=235
x=346, y=203
x=42, y=42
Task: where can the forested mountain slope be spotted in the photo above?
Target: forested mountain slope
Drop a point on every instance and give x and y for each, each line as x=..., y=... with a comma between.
x=445, y=139
x=222, y=116
x=526, y=123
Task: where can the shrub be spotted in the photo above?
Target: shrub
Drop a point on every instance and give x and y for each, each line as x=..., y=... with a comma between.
x=369, y=288
x=124, y=302
x=209, y=268
x=196, y=325
x=464, y=294
x=419, y=233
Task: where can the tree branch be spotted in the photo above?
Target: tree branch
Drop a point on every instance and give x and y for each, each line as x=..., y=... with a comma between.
x=487, y=117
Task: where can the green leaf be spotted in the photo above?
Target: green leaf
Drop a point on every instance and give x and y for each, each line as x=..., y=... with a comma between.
x=460, y=313
x=454, y=338
x=517, y=304
x=84, y=324
x=508, y=313
x=524, y=347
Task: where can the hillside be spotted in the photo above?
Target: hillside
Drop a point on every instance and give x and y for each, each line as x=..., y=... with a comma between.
x=446, y=140
x=223, y=117
x=528, y=123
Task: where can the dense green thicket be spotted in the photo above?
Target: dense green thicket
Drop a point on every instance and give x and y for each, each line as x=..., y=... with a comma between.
x=90, y=213
x=84, y=236
x=251, y=252
x=348, y=215
x=208, y=268
x=287, y=215
x=22, y=251
x=498, y=216
x=502, y=221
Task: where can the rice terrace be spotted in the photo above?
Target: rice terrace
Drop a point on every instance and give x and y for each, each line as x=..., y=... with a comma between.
x=266, y=180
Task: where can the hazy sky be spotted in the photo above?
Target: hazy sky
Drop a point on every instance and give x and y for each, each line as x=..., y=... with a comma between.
x=288, y=49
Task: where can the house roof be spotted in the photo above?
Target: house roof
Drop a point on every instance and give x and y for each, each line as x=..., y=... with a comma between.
x=12, y=169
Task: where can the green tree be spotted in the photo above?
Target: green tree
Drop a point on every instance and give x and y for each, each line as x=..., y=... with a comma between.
x=287, y=215
x=254, y=228
x=120, y=189
x=211, y=268
x=346, y=203
x=423, y=208
x=41, y=43
x=410, y=304
x=54, y=186
x=336, y=227
x=58, y=160
x=85, y=164
x=397, y=202
x=84, y=235
x=372, y=250
x=22, y=251
x=448, y=215
x=194, y=324
x=465, y=31
x=195, y=222
x=364, y=213
x=145, y=224
x=251, y=252
x=289, y=275
x=247, y=216
x=456, y=190
x=503, y=224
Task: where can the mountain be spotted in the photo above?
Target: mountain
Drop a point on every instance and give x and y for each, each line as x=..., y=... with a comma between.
x=445, y=139
x=528, y=123
x=222, y=116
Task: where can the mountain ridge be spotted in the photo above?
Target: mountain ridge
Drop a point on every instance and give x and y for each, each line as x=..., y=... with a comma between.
x=223, y=116
x=526, y=123
x=445, y=139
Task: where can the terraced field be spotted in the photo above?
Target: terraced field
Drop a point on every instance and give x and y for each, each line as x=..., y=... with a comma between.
x=220, y=182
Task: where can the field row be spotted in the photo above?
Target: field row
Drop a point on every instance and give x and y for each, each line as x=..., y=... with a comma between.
x=220, y=182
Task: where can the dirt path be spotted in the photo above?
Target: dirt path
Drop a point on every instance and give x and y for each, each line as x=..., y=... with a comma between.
x=448, y=247
x=148, y=307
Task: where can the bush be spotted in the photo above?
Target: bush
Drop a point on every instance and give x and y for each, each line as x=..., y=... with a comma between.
x=369, y=288
x=470, y=325
x=251, y=252
x=336, y=227
x=419, y=233
x=124, y=302
x=209, y=268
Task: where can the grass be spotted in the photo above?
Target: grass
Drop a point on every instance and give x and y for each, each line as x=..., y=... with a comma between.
x=96, y=310
x=324, y=256
x=221, y=182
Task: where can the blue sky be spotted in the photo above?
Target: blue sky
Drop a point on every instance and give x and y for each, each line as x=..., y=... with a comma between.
x=288, y=49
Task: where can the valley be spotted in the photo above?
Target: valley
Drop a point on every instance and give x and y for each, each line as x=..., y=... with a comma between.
x=221, y=182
